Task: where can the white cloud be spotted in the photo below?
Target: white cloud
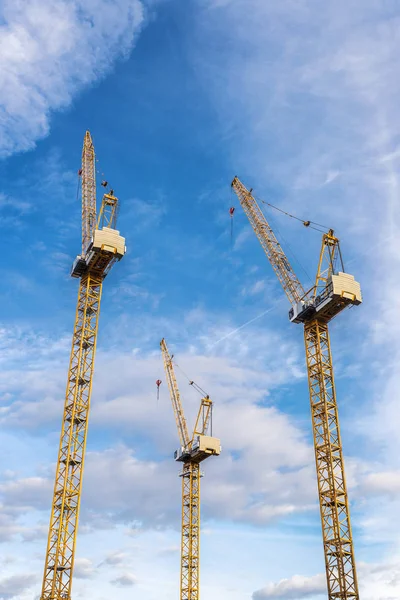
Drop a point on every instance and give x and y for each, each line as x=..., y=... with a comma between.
x=115, y=558
x=26, y=493
x=13, y=586
x=382, y=483
x=84, y=568
x=169, y=550
x=50, y=51
x=264, y=473
x=125, y=580
x=293, y=589
x=377, y=581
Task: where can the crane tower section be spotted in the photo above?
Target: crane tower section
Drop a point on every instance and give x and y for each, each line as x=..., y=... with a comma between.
x=193, y=450
x=102, y=247
x=333, y=291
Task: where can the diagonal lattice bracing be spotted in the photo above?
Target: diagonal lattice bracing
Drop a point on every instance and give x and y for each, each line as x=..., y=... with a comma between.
x=272, y=248
x=334, y=506
x=190, y=543
x=67, y=490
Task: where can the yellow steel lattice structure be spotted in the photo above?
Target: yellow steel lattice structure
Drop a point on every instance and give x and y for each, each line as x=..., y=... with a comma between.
x=191, y=453
x=88, y=191
x=272, y=248
x=101, y=250
x=332, y=292
x=67, y=490
x=175, y=396
x=190, y=540
x=335, y=514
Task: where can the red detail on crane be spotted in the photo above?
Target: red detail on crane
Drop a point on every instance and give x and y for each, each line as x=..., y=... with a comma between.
x=231, y=211
x=158, y=383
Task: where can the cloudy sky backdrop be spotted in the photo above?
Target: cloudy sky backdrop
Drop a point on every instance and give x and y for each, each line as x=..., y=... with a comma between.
x=300, y=100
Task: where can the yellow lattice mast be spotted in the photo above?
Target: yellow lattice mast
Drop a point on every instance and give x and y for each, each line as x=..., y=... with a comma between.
x=333, y=291
x=191, y=453
x=102, y=246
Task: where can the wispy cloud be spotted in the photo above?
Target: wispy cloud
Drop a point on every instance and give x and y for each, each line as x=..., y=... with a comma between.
x=50, y=52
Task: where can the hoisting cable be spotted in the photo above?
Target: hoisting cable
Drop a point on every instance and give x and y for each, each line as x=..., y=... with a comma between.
x=77, y=187
x=291, y=251
x=198, y=388
x=231, y=212
x=305, y=223
x=104, y=182
x=320, y=228
x=192, y=383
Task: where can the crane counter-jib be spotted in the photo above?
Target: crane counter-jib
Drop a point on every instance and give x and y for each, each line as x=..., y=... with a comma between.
x=340, y=291
x=201, y=447
x=106, y=246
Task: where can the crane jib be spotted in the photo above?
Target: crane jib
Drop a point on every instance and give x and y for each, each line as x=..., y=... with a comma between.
x=281, y=265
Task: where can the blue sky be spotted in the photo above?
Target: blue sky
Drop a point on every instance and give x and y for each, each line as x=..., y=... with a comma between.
x=298, y=100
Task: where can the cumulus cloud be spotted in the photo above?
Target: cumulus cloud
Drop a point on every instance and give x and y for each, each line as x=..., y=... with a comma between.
x=246, y=489
x=30, y=492
x=293, y=589
x=265, y=471
x=125, y=580
x=115, y=558
x=386, y=483
x=49, y=52
x=146, y=493
x=15, y=585
x=84, y=568
x=376, y=580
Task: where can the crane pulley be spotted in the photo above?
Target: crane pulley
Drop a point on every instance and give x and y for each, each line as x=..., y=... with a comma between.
x=333, y=291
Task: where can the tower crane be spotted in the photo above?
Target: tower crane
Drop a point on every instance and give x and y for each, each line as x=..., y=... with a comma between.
x=192, y=451
x=334, y=290
x=102, y=246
